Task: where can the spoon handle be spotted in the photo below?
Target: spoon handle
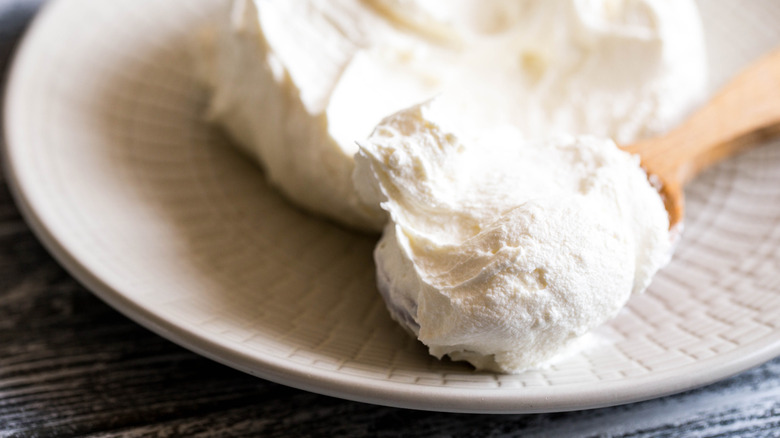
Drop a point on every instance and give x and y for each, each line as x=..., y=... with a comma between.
x=742, y=114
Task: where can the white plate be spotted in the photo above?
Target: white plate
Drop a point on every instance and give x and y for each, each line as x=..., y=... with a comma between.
x=150, y=208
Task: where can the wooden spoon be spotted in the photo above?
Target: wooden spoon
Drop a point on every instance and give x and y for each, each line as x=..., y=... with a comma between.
x=744, y=113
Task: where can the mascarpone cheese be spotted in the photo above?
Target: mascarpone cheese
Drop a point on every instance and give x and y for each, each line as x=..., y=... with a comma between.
x=296, y=82
x=502, y=250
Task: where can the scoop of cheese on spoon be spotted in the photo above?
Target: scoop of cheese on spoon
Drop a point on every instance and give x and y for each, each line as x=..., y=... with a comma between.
x=502, y=251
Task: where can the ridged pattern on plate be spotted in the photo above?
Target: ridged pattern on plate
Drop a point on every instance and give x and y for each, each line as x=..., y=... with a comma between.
x=111, y=154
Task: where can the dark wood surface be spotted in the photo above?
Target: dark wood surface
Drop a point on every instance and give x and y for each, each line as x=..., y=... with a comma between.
x=72, y=366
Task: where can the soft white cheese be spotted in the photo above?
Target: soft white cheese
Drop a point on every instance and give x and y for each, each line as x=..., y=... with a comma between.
x=296, y=82
x=502, y=250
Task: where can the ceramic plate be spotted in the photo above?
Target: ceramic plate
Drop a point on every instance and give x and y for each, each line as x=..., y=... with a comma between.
x=150, y=207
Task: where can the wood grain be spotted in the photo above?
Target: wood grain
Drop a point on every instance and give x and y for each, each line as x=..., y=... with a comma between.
x=72, y=366
x=745, y=113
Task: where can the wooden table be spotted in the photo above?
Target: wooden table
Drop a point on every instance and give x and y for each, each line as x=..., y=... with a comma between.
x=72, y=366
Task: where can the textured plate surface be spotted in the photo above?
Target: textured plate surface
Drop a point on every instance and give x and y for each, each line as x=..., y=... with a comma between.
x=152, y=209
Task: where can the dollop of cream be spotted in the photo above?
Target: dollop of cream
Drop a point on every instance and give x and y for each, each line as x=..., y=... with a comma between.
x=296, y=82
x=501, y=250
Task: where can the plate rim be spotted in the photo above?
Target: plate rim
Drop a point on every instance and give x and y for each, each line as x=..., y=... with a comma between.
x=520, y=400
